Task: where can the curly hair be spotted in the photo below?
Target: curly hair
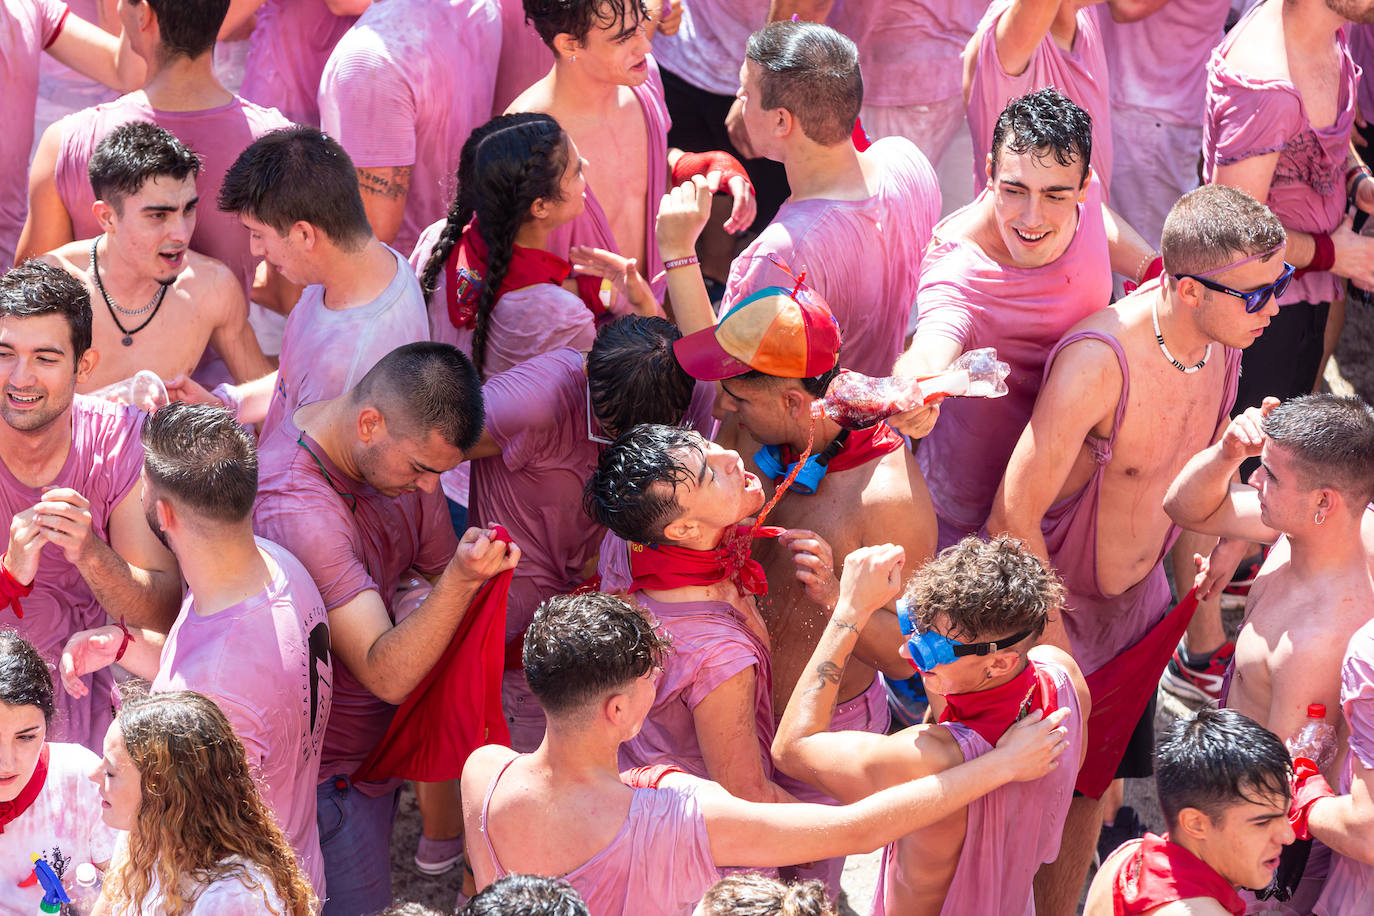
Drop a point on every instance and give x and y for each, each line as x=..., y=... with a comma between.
x=755, y=895
x=985, y=589
x=200, y=811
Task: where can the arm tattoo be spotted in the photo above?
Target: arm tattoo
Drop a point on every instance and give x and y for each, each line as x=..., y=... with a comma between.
x=827, y=672
x=391, y=182
x=841, y=625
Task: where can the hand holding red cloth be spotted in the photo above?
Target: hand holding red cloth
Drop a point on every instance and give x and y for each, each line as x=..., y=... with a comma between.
x=1158, y=872
x=1308, y=787
x=690, y=164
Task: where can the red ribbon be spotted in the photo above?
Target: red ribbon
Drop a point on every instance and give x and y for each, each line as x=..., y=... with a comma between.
x=11, y=590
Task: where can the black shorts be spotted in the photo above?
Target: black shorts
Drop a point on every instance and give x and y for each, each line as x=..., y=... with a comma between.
x=1138, y=761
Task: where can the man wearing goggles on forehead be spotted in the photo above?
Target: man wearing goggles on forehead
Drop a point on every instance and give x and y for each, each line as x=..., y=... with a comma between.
x=972, y=614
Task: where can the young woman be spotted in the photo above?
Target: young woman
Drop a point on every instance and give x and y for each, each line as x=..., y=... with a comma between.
x=201, y=842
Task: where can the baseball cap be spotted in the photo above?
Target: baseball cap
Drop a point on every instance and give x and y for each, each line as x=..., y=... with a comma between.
x=779, y=332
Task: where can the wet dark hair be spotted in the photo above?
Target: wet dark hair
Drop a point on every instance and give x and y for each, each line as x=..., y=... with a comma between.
x=633, y=490
x=24, y=677
x=813, y=71
x=507, y=164
x=1046, y=124
x=131, y=154
x=426, y=387
x=552, y=18
x=36, y=288
x=1332, y=438
x=188, y=28
x=580, y=648
x=201, y=457
x=986, y=590
x=633, y=376
x=1217, y=758
x=526, y=895
x=298, y=174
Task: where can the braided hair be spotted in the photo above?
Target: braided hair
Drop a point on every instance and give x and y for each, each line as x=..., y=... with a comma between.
x=506, y=165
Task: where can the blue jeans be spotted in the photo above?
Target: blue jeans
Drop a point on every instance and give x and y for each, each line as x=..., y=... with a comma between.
x=355, y=839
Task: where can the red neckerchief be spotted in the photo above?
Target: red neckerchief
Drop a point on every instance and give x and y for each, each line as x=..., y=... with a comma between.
x=467, y=265
x=9, y=810
x=1159, y=872
x=862, y=446
x=991, y=712
x=665, y=566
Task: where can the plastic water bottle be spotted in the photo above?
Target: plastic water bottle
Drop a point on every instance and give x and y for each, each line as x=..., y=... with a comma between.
x=85, y=891
x=1316, y=740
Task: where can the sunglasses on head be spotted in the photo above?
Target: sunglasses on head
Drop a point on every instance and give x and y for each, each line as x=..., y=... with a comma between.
x=1255, y=299
x=930, y=649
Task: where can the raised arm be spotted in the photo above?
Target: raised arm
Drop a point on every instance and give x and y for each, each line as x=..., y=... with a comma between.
x=1020, y=30
x=1204, y=498
x=91, y=51
x=681, y=216
x=1127, y=249
x=48, y=224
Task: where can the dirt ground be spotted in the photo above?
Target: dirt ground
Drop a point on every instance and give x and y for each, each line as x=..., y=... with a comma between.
x=1351, y=371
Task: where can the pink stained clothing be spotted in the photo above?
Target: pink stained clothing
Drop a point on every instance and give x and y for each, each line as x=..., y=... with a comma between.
x=711, y=644
x=26, y=28
x=351, y=539
x=1080, y=74
x=524, y=57
x=909, y=50
x=103, y=465
x=1362, y=53
x=1255, y=117
x=967, y=297
x=286, y=56
x=218, y=135
x=1350, y=885
x=325, y=352
x=1101, y=626
x=1010, y=832
x=1159, y=64
x=708, y=47
x=64, y=818
x=265, y=662
x=863, y=256
x=659, y=864
x=392, y=96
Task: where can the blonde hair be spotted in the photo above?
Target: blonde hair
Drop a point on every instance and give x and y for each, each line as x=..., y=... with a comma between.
x=755, y=895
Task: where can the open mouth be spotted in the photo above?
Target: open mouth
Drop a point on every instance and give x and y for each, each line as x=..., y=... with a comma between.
x=751, y=481
x=23, y=400
x=173, y=258
x=1030, y=238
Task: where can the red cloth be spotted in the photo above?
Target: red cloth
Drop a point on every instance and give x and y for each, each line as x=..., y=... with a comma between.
x=1120, y=691
x=1154, y=269
x=859, y=137
x=1308, y=787
x=457, y=707
x=689, y=164
x=862, y=446
x=9, y=810
x=991, y=712
x=665, y=566
x=11, y=590
x=1158, y=872
x=648, y=777
x=467, y=265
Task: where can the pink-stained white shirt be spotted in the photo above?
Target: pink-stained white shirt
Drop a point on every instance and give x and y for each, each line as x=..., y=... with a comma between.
x=102, y=465
x=711, y=643
x=26, y=28
x=708, y=48
x=217, y=135
x=325, y=352
x=1249, y=117
x=967, y=297
x=909, y=50
x=1080, y=74
x=226, y=896
x=64, y=818
x=286, y=56
x=862, y=256
x=394, y=96
x=265, y=661
x=1159, y=64
x=524, y=56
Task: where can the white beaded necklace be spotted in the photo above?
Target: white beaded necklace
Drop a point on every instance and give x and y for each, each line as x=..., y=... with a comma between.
x=1159, y=338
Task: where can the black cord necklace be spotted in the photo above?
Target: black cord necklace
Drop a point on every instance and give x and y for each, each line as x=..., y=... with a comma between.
x=154, y=304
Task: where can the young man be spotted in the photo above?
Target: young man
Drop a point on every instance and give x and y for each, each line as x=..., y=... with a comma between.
x=403, y=104
x=1024, y=45
x=973, y=614
x=252, y=633
x=592, y=661
x=350, y=486
x=80, y=551
x=1128, y=395
x=1309, y=499
x=156, y=303
x=1223, y=785
x=856, y=223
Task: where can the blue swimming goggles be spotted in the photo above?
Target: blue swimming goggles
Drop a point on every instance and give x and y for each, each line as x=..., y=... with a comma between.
x=769, y=461
x=929, y=649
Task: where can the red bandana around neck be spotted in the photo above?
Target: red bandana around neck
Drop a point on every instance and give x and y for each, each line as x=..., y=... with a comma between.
x=467, y=265
x=1159, y=872
x=666, y=566
x=9, y=810
x=862, y=446
x=991, y=712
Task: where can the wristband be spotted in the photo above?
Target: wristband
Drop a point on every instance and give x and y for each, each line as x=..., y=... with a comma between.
x=11, y=589
x=1323, y=253
x=681, y=262
x=128, y=638
x=1353, y=176
x=1308, y=788
x=689, y=164
x=230, y=395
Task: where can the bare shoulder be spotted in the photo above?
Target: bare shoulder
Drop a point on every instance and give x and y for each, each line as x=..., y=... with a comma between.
x=482, y=765
x=539, y=97
x=73, y=257
x=934, y=747
x=212, y=282
x=1258, y=50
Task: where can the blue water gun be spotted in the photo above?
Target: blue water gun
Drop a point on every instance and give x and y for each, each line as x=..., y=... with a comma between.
x=54, y=895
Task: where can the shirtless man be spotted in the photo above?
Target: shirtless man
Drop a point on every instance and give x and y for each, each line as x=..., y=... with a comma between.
x=1223, y=785
x=1313, y=592
x=144, y=180
x=1121, y=408
x=654, y=849
x=974, y=612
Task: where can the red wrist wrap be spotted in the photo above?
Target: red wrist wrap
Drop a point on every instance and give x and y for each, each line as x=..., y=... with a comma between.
x=128, y=638
x=689, y=164
x=11, y=590
x=1323, y=254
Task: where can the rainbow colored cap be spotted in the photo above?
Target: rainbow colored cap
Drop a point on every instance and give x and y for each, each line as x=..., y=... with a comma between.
x=776, y=331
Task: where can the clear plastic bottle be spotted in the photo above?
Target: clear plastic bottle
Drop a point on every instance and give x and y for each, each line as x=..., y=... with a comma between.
x=1316, y=740
x=856, y=401
x=85, y=891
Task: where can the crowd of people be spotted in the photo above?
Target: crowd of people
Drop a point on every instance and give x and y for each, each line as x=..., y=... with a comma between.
x=464, y=392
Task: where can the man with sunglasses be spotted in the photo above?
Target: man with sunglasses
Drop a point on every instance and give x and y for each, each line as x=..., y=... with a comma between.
x=971, y=618
x=1129, y=394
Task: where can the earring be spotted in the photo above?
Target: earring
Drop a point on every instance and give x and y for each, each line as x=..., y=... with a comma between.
x=572, y=58
x=987, y=675
x=1317, y=518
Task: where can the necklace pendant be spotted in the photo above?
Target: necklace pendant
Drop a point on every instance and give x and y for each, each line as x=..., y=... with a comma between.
x=127, y=341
